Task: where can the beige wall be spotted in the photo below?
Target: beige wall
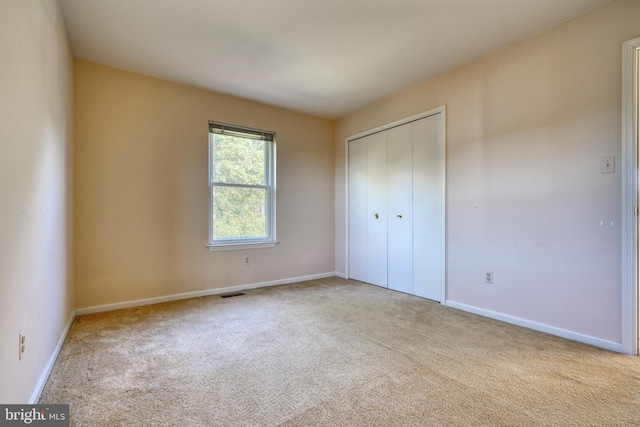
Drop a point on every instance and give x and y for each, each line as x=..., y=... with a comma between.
x=141, y=191
x=36, y=287
x=526, y=128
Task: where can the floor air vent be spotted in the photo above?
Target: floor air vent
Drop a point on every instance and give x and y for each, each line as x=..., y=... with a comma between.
x=235, y=294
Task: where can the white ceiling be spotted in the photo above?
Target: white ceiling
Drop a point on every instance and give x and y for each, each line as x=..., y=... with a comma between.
x=322, y=57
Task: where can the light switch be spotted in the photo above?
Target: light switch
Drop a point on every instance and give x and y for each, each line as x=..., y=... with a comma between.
x=608, y=164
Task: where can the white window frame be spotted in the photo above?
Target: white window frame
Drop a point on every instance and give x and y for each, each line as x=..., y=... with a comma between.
x=270, y=185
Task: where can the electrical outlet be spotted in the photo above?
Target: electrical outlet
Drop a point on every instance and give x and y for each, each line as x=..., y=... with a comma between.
x=488, y=277
x=247, y=260
x=21, y=344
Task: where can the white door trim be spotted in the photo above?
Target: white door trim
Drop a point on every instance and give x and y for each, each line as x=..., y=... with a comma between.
x=630, y=100
x=442, y=110
x=400, y=122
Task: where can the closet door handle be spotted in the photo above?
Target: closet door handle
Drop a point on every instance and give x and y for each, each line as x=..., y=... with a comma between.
x=399, y=216
x=376, y=216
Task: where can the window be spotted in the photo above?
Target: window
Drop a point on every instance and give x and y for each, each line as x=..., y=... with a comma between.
x=242, y=187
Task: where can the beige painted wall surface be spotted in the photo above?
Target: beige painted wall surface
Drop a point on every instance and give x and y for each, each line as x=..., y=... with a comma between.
x=526, y=129
x=36, y=287
x=141, y=201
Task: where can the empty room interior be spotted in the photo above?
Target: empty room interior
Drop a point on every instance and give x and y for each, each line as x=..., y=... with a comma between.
x=439, y=230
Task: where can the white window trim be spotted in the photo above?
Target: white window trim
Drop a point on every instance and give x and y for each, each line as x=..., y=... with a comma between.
x=237, y=244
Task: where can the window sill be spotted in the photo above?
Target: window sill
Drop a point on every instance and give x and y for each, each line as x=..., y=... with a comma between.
x=239, y=246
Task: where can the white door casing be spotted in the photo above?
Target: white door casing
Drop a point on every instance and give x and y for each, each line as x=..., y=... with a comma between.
x=630, y=172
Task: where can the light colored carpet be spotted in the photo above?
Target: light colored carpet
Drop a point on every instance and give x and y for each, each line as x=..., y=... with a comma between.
x=332, y=352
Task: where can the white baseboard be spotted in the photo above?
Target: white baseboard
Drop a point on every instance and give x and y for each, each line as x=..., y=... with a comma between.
x=35, y=396
x=340, y=275
x=540, y=327
x=195, y=294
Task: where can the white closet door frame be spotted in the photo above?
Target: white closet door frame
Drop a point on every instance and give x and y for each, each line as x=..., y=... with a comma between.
x=443, y=122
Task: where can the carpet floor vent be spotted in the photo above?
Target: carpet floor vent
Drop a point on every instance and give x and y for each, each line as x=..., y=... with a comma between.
x=234, y=294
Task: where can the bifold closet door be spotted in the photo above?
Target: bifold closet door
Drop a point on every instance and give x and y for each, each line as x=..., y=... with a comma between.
x=428, y=208
x=377, y=209
x=368, y=209
x=396, y=207
x=400, y=201
x=358, y=209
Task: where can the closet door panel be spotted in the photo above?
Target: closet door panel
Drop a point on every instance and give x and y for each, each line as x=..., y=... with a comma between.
x=396, y=199
x=358, y=209
x=400, y=200
x=428, y=208
x=376, y=214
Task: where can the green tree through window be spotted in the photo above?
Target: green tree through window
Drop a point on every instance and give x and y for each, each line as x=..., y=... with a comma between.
x=241, y=184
